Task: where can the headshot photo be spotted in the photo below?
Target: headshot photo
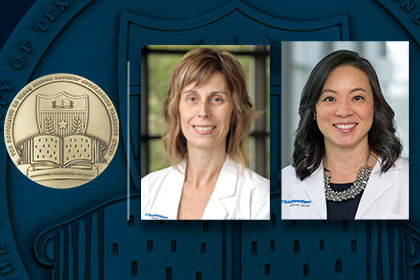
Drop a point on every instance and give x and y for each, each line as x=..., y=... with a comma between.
x=345, y=130
x=205, y=132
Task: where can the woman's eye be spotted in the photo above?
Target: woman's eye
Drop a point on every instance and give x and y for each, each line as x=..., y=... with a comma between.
x=329, y=99
x=357, y=98
x=217, y=99
x=191, y=99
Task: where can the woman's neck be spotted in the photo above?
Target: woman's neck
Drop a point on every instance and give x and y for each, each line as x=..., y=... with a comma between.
x=344, y=163
x=204, y=166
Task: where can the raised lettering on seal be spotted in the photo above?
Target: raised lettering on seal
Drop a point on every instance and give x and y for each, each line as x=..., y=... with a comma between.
x=2, y=249
x=40, y=26
x=3, y=103
x=51, y=15
x=5, y=86
x=417, y=19
x=408, y=6
x=26, y=47
x=5, y=267
x=18, y=62
x=63, y=5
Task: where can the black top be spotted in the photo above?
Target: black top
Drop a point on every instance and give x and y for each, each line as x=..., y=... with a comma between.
x=344, y=210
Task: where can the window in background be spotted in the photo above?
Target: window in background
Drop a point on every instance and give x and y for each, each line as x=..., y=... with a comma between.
x=157, y=63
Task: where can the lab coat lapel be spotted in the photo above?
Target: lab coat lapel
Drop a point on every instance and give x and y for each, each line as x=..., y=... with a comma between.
x=377, y=185
x=217, y=207
x=171, y=194
x=315, y=191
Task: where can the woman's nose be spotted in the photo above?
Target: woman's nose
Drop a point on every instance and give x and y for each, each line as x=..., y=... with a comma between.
x=344, y=108
x=204, y=110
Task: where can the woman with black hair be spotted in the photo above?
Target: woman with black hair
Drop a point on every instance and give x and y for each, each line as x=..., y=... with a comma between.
x=346, y=159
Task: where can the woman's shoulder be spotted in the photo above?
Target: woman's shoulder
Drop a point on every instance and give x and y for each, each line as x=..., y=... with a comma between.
x=401, y=163
x=254, y=178
x=158, y=175
x=288, y=170
x=288, y=174
x=256, y=188
x=154, y=182
x=244, y=175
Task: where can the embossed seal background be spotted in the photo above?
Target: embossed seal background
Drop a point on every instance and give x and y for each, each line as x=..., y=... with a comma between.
x=77, y=234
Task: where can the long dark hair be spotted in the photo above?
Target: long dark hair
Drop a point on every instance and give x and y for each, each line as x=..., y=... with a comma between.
x=309, y=146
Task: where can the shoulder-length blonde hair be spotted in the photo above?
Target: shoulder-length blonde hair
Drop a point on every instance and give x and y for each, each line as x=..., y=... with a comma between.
x=196, y=67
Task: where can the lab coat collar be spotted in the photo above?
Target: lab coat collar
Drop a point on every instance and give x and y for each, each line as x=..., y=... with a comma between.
x=225, y=187
x=383, y=182
x=315, y=191
x=216, y=209
x=172, y=190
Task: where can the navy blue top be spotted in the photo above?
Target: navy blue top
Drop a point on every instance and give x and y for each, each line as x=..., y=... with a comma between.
x=345, y=210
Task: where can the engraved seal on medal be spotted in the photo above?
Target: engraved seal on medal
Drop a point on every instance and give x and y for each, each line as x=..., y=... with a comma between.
x=61, y=131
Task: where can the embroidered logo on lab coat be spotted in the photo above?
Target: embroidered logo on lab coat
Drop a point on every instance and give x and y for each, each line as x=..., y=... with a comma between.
x=297, y=202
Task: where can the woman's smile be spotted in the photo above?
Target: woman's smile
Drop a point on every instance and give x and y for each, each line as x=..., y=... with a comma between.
x=345, y=127
x=204, y=130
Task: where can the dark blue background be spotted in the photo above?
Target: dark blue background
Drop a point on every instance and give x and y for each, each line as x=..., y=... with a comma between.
x=117, y=249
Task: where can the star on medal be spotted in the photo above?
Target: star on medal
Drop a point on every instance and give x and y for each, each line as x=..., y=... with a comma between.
x=62, y=124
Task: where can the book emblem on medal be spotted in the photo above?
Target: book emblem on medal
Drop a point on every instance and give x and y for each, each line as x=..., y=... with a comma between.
x=71, y=135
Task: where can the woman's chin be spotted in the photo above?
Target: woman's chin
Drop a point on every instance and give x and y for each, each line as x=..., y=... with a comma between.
x=345, y=144
x=350, y=141
x=204, y=145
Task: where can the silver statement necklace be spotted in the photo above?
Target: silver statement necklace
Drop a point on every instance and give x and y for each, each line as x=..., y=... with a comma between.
x=355, y=189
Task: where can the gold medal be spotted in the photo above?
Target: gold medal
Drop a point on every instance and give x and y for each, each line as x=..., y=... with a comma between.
x=61, y=130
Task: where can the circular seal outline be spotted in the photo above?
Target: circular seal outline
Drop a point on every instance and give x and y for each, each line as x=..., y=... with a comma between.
x=53, y=78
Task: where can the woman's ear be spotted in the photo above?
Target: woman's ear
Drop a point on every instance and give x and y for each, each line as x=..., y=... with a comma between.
x=314, y=114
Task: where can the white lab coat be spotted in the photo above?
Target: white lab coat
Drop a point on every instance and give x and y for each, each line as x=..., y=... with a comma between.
x=385, y=195
x=235, y=196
